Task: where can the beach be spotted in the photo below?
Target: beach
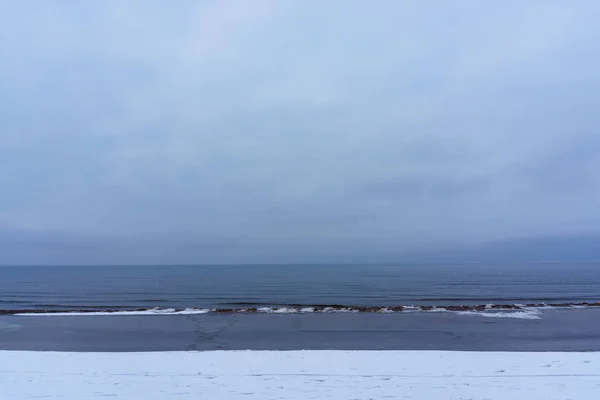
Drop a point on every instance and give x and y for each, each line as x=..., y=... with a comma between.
x=550, y=329
x=335, y=375
x=300, y=333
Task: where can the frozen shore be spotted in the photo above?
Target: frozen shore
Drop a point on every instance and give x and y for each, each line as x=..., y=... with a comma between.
x=333, y=375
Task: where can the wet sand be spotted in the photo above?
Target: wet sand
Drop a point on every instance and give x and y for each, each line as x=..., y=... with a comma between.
x=555, y=330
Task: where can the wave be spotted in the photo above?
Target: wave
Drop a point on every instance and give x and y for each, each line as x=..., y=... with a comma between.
x=152, y=311
x=523, y=311
x=526, y=314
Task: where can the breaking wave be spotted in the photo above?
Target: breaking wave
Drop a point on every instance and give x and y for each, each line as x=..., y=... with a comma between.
x=520, y=311
x=527, y=314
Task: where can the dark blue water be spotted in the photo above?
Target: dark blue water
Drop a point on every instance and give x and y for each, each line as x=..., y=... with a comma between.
x=221, y=287
x=129, y=287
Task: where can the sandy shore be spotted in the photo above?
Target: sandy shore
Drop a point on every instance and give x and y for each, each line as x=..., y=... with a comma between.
x=430, y=375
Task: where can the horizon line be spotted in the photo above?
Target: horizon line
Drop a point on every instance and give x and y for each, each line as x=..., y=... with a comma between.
x=403, y=263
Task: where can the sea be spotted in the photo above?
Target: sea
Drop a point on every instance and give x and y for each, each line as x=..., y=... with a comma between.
x=500, y=307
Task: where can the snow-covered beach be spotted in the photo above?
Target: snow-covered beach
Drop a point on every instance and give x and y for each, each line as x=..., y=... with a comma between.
x=223, y=375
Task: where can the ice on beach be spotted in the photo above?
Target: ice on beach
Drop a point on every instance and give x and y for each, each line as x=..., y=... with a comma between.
x=336, y=375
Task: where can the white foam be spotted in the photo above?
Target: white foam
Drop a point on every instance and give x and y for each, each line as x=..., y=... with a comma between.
x=437, y=309
x=411, y=309
x=284, y=310
x=292, y=310
x=339, y=310
x=194, y=311
x=525, y=314
x=155, y=311
x=272, y=310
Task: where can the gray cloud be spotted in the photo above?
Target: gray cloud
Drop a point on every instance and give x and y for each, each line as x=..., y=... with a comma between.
x=288, y=129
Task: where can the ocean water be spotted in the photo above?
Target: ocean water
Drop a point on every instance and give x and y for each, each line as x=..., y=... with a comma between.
x=62, y=288
x=287, y=307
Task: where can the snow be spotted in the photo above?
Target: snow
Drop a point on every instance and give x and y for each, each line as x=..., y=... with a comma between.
x=335, y=375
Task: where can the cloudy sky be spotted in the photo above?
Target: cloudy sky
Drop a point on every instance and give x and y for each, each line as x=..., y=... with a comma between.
x=141, y=131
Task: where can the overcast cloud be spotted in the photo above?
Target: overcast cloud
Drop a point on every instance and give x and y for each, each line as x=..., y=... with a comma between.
x=271, y=131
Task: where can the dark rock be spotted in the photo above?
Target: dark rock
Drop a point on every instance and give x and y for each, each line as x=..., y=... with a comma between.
x=225, y=310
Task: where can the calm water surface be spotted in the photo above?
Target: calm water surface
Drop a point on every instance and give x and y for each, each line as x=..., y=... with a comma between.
x=126, y=287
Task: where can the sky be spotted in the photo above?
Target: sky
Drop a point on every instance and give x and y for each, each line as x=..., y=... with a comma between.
x=143, y=131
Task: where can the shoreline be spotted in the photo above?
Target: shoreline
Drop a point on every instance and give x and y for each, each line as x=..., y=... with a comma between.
x=552, y=329
x=299, y=308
